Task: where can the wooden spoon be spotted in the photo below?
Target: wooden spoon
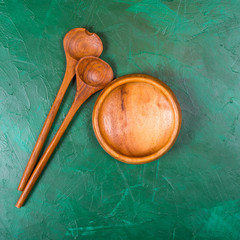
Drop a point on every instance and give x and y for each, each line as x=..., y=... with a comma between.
x=92, y=74
x=77, y=43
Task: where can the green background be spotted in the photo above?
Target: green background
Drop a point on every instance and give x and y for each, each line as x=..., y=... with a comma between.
x=193, y=192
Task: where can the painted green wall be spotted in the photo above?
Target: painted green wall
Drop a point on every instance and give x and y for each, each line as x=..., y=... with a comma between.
x=193, y=192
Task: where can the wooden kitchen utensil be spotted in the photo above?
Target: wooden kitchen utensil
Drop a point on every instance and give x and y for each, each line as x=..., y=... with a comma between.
x=92, y=75
x=137, y=118
x=77, y=43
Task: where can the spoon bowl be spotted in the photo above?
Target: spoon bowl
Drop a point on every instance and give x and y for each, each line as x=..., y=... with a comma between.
x=79, y=42
x=94, y=72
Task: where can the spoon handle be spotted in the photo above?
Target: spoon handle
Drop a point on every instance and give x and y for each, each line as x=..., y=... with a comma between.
x=46, y=155
x=46, y=127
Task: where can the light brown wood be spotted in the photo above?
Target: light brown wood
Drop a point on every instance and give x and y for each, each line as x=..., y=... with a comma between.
x=92, y=74
x=77, y=43
x=137, y=118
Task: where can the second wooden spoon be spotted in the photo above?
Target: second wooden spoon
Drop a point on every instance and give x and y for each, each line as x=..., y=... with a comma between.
x=92, y=74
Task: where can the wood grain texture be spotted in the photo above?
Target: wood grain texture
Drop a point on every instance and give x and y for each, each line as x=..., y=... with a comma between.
x=137, y=118
x=77, y=43
x=98, y=74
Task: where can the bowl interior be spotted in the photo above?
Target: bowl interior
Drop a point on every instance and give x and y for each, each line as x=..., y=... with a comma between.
x=136, y=119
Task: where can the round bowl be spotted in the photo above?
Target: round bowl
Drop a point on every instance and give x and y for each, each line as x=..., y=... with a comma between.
x=136, y=118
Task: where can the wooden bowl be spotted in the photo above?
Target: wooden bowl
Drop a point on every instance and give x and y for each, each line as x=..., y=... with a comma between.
x=136, y=118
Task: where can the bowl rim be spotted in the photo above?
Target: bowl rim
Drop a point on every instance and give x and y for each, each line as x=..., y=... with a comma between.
x=144, y=78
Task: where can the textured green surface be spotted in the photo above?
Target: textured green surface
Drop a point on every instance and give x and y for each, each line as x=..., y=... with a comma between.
x=193, y=192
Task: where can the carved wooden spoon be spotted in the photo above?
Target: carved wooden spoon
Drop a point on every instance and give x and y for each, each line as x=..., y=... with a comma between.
x=92, y=74
x=77, y=43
